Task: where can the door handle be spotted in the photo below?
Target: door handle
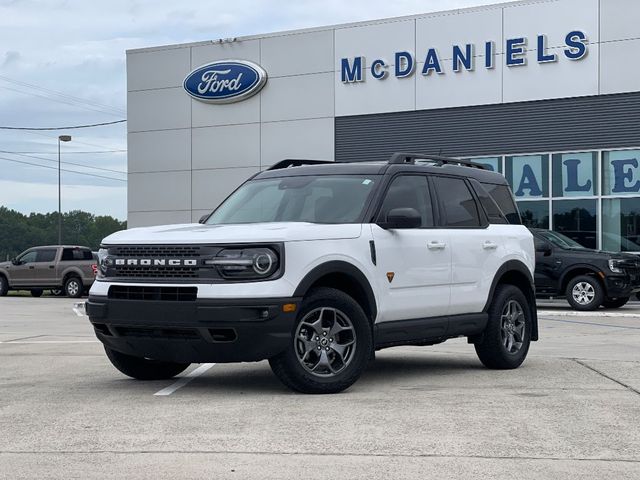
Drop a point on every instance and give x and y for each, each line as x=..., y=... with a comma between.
x=433, y=245
x=52, y=266
x=31, y=268
x=489, y=245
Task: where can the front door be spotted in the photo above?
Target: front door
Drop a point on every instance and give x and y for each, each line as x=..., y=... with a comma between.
x=413, y=264
x=23, y=274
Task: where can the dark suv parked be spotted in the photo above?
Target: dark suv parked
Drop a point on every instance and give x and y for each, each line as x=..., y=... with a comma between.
x=588, y=278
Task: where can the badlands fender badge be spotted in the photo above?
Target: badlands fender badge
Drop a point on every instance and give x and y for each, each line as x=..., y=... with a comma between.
x=390, y=276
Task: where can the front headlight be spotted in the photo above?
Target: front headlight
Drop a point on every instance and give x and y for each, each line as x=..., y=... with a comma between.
x=102, y=268
x=245, y=263
x=615, y=266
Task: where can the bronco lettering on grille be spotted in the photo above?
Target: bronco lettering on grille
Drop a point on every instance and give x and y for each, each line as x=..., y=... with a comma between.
x=162, y=262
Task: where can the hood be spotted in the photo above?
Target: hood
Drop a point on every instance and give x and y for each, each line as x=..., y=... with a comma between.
x=195, y=233
x=603, y=253
x=5, y=264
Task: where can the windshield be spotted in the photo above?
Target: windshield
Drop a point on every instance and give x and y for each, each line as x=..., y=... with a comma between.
x=560, y=240
x=324, y=199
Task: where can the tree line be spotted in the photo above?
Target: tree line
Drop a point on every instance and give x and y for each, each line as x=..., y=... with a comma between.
x=19, y=232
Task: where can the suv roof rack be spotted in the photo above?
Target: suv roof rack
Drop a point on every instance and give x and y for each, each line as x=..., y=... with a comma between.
x=293, y=162
x=403, y=158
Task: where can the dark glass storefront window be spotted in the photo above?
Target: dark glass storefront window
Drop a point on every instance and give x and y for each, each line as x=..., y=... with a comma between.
x=535, y=214
x=577, y=220
x=621, y=224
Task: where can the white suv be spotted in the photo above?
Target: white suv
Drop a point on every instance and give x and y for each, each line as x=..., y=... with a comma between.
x=315, y=265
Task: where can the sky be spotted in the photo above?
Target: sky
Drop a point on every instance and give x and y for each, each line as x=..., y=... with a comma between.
x=62, y=63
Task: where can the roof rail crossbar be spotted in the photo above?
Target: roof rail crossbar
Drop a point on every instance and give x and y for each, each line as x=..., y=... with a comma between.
x=400, y=158
x=293, y=162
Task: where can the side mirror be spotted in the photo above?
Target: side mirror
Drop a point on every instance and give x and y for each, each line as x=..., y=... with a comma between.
x=544, y=248
x=16, y=262
x=402, y=218
x=203, y=218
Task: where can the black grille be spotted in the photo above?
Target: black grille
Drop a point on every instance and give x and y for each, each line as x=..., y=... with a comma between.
x=177, y=333
x=130, y=271
x=156, y=251
x=168, y=294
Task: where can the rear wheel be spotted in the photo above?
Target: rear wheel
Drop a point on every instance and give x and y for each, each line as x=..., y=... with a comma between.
x=142, y=368
x=4, y=286
x=505, y=341
x=36, y=292
x=615, y=302
x=331, y=345
x=73, y=287
x=584, y=293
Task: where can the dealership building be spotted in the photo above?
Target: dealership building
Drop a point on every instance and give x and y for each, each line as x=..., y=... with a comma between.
x=547, y=92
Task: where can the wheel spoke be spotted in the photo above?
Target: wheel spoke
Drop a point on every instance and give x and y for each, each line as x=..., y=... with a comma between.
x=323, y=362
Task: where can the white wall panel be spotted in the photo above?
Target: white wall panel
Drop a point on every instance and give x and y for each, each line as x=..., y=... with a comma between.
x=159, y=151
x=207, y=114
x=443, y=31
x=375, y=41
x=297, y=97
x=150, y=219
x=210, y=187
x=228, y=146
x=159, y=191
x=564, y=78
x=458, y=89
x=157, y=69
x=375, y=96
x=619, y=67
x=238, y=50
x=619, y=19
x=312, y=139
x=164, y=109
x=554, y=19
x=298, y=54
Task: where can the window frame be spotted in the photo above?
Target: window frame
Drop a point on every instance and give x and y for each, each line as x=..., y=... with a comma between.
x=442, y=217
x=379, y=201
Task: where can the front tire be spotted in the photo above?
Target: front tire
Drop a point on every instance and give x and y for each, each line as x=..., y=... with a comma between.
x=584, y=293
x=506, y=338
x=73, y=287
x=142, y=368
x=331, y=345
x=4, y=286
x=615, y=302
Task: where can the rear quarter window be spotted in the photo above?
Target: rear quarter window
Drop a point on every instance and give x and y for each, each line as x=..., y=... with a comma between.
x=503, y=197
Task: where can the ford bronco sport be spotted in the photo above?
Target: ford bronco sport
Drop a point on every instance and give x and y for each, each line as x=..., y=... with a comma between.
x=315, y=265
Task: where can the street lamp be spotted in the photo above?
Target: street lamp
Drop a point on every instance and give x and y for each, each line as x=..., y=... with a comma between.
x=61, y=138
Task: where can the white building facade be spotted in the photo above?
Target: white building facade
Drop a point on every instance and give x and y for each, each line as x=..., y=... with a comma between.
x=547, y=92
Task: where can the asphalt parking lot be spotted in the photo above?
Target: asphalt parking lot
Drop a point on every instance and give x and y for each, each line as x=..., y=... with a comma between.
x=571, y=411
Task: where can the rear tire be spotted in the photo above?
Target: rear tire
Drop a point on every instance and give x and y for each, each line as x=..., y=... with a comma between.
x=4, y=286
x=331, y=344
x=584, y=293
x=36, y=292
x=73, y=287
x=507, y=336
x=142, y=368
x=615, y=302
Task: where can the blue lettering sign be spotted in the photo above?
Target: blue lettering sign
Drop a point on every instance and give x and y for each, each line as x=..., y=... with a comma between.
x=466, y=58
x=543, y=56
x=572, y=184
x=379, y=69
x=515, y=48
x=620, y=175
x=489, y=54
x=576, y=41
x=529, y=182
x=352, y=73
x=431, y=63
x=404, y=64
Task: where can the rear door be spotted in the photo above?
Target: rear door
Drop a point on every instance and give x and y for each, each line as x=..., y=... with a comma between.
x=476, y=244
x=44, y=273
x=413, y=264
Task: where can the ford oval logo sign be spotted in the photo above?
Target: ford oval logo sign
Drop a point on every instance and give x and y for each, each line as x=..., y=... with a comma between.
x=225, y=81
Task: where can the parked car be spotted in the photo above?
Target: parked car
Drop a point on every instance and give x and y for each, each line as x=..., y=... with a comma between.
x=67, y=269
x=315, y=265
x=587, y=278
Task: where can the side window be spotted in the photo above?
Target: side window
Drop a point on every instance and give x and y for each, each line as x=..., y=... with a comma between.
x=29, y=257
x=76, y=254
x=504, y=199
x=456, y=202
x=46, y=255
x=494, y=214
x=409, y=191
x=539, y=244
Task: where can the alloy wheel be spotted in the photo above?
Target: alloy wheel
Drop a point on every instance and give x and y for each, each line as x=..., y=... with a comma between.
x=512, y=326
x=583, y=293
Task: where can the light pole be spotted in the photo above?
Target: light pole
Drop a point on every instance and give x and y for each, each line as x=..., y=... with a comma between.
x=61, y=138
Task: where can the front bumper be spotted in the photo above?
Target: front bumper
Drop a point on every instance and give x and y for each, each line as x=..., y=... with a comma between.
x=194, y=331
x=617, y=286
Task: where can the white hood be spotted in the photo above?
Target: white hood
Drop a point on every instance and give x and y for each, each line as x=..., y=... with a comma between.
x=195, y=233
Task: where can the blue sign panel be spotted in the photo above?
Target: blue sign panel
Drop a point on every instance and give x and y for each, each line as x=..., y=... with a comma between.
x=225, y=81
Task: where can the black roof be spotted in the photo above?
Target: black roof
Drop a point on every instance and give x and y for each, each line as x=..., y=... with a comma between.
x=382, y=168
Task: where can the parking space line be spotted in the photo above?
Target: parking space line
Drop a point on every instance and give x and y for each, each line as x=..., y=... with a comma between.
x=184, y=380
x=595, y=324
